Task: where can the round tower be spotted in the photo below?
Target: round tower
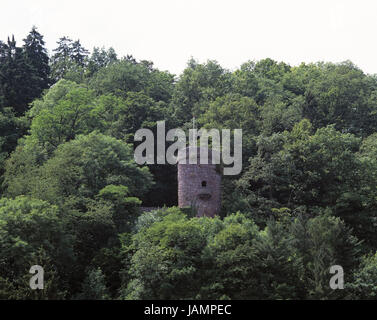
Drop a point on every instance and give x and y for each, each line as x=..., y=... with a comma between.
x=199, y=185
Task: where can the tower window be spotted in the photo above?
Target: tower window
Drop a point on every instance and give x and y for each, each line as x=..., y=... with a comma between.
x=204, y=184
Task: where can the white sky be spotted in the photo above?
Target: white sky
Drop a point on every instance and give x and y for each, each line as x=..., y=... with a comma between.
x=169, y=32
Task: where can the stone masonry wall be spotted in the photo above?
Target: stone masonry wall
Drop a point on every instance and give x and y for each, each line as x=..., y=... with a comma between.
x=199, y=185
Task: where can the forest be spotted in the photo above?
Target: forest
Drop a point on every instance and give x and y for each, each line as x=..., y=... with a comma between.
x=71, y=193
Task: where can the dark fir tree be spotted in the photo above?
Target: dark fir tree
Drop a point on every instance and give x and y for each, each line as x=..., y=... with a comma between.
x=69, y=56
x=15, y=75
x=61, y=58
x=78, y=53
x=36, y=56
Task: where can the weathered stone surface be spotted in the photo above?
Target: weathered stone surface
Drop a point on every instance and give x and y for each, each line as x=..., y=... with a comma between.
x=199, y=185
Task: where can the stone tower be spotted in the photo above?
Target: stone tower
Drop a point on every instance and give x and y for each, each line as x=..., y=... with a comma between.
x=199, y=185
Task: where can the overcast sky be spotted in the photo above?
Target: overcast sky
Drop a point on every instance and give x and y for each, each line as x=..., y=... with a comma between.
x=169, y=32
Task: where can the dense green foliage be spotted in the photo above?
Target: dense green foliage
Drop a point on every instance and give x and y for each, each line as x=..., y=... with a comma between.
x=71, y=191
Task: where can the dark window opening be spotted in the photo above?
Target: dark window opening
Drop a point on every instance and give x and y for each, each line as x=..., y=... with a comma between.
x=204, y=184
